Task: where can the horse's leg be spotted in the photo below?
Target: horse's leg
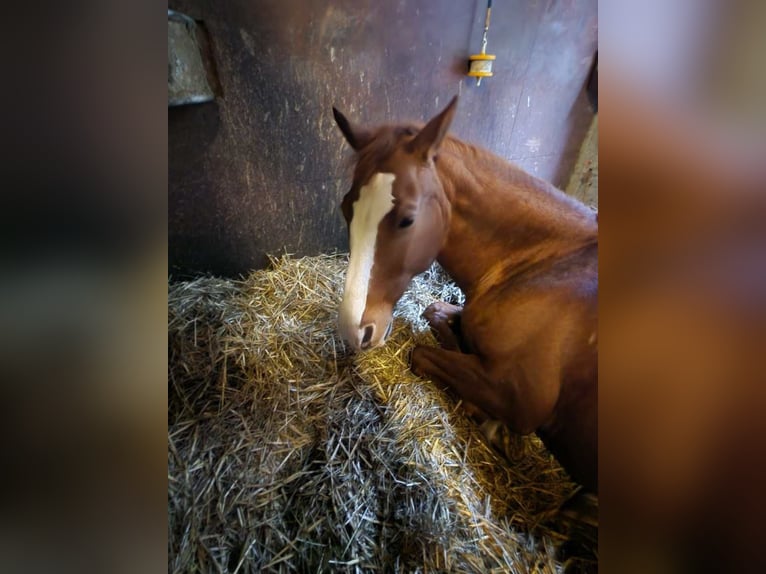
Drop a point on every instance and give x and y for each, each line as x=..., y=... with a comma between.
x=455, y=372
x=444, y=320
x=497, y=433
x=515, y=402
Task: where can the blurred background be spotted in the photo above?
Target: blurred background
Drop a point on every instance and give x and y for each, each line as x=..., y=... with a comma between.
x=682, y=285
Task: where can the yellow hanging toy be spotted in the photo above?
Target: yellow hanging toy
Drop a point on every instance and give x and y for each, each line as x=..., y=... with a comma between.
x=481, y=64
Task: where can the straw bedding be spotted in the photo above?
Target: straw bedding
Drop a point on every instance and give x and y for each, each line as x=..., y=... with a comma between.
x=286, y=453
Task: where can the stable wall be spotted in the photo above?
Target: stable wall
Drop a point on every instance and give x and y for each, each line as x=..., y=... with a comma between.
x=262, y=169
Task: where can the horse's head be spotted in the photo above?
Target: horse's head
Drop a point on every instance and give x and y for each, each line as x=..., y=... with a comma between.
x=397, y=215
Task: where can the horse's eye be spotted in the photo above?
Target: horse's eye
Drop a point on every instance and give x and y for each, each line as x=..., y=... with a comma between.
x=406, y=222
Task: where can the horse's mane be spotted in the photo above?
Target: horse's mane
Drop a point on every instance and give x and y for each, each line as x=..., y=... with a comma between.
x=490, y=168
x=482, y=163
x=387, y=138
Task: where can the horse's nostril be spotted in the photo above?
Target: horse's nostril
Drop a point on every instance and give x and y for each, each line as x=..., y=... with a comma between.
x=368, y=330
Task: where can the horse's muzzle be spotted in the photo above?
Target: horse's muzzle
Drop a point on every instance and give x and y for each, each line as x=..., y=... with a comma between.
x=366, y=337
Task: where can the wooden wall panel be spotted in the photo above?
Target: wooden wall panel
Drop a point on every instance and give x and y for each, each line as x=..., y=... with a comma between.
x=262, y=169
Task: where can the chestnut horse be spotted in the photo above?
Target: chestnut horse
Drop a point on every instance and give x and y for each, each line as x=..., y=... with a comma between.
x=524, y=347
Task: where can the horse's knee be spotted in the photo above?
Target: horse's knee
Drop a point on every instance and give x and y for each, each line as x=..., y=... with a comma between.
x=439, y=310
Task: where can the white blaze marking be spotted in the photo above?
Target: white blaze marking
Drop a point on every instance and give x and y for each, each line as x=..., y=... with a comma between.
x=375, y=201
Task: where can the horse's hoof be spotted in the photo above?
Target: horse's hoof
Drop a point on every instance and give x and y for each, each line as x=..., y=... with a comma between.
x=417, y=360
x=444, y=320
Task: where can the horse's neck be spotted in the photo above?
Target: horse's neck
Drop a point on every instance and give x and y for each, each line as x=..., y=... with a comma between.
x=503, y=217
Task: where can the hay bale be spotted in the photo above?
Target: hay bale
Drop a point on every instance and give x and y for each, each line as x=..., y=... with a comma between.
x=287, y=453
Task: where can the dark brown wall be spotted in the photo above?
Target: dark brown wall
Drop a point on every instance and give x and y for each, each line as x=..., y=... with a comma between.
x=262, y=169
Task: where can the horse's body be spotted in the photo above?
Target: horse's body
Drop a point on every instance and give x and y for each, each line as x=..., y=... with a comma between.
x=524, y=347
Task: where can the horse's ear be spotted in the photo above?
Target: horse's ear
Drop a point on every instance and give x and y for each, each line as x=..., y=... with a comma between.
x=356, y=136
x=427, y=142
